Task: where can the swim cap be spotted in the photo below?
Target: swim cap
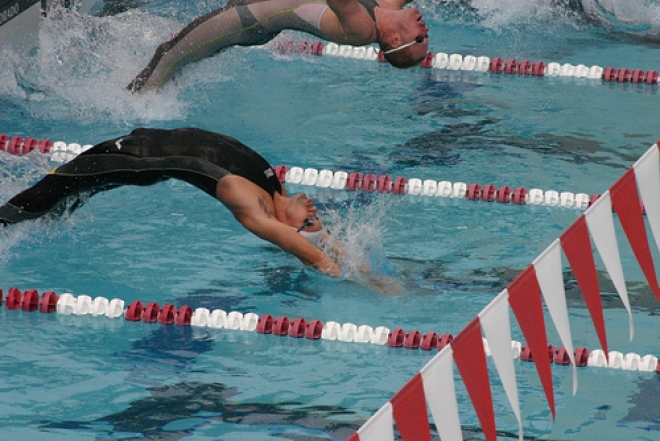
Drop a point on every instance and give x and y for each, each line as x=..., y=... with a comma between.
x=314, y=237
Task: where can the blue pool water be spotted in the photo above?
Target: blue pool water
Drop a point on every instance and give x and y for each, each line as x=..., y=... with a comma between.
x=79, y=377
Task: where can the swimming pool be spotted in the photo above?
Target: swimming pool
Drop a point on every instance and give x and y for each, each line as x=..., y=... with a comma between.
x=81, y=377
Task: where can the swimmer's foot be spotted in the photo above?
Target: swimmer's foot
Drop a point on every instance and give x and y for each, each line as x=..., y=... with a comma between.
x=137, y=84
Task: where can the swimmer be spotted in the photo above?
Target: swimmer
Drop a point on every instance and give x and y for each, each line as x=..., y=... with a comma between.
x=401, y=33
x=221, y=166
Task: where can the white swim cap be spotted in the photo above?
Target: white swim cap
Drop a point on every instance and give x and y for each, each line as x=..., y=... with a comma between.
x=314, y=237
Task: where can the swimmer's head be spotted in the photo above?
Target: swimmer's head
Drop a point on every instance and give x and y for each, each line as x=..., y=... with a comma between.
x=299, y=213
x=403, y=37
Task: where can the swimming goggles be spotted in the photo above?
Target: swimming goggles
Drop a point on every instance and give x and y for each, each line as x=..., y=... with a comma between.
x=418, y=40
x=307, y=223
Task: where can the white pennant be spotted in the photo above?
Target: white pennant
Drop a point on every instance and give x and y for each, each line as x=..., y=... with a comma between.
x=601, y=226
x=496, y=325
x=647, y=174
x=551, y=281
x=438, y=382
x=380, y=427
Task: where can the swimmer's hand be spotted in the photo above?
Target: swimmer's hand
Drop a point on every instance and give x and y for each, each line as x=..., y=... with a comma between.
x=329, y=267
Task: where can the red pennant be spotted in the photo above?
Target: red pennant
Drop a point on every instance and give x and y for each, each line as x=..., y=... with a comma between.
x=409, y=411
x=577, y=248
x=626, y=203
x=525, y=300
x=354, y=437
x=470, y=358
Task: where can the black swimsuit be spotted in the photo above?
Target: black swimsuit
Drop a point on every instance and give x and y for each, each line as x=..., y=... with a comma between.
x=144, y=157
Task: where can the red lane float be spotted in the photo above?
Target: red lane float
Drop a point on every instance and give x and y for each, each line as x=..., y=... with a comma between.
x=19, y=146
x=13, y=300
x=151, y=311
x=166, y=315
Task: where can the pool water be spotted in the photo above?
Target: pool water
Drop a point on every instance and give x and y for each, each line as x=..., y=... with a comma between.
x=80, y=377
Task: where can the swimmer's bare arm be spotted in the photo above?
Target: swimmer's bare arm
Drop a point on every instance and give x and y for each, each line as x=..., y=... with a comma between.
x=286, y=238
x=251, y=209
x=348, y=22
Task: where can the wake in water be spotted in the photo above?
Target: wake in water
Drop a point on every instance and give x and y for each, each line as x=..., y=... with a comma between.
x=639, y=18
x=499, y=14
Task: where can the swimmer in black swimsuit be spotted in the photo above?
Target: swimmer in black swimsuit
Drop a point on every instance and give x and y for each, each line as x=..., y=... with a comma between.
x=219, y=165
x=401, y=33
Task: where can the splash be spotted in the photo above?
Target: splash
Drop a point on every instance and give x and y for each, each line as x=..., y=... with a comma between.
x=16, y=174
x=19, y=172
x=89, y=60
x=82, y=65
x=359, y=227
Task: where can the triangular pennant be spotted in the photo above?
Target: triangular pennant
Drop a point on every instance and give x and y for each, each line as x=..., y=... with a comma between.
x=496, y=324
x=380, y=427
x=548, y=273
x=601, y=226
x=577, y=248
x=525, y=300
x=438, y=379
x=470, y=358
x=409, y=410
x=626, y=203
x=647, y=174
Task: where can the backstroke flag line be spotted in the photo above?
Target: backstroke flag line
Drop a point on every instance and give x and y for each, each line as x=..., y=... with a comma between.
x=432, y=390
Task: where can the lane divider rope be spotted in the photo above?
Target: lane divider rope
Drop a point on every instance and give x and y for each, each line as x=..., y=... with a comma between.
x=341, y=180
x=168, y=314
x=496, y=65
x=355, y=181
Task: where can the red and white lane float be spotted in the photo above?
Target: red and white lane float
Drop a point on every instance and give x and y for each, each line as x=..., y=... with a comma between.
x=168, y=314
x=354, y=181
x=480, y=63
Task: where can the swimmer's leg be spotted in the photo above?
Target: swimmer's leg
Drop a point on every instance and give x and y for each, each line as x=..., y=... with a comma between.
x=244, y=24
x=47, y=198
x=68, y=186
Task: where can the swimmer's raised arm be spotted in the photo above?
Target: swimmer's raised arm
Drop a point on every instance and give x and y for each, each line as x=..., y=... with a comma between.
x=274, y=219
x=289, y=240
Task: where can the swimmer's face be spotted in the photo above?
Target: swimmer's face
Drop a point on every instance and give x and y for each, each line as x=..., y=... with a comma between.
x=414, y=27
x=413, y=39
x=298, y=210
